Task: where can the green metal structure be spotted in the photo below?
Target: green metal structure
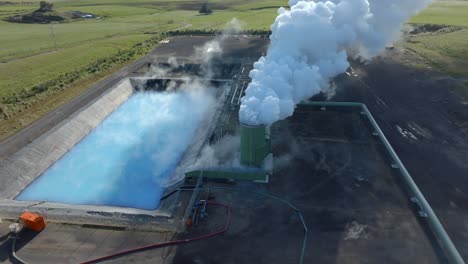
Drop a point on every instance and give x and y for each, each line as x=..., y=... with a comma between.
x=230, y=174
x=255, y=145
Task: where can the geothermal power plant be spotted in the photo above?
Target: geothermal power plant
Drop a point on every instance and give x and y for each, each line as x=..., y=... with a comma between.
x=204, y=148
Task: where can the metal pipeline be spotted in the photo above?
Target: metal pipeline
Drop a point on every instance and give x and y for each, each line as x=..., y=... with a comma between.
x=443, y=238
x=445, y=241
x=296, y=210
x=174, y=243
x=168, y=243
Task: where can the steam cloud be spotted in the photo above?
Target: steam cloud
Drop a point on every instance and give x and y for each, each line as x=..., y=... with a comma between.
x=309, y=46
x=198, y=88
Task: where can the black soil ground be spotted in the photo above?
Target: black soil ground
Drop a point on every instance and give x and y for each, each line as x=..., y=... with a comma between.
x=426, y=121
x=330, y=166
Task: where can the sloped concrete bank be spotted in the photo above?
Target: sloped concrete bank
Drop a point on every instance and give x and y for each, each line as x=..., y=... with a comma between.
x=19, y=170
x=22, y=168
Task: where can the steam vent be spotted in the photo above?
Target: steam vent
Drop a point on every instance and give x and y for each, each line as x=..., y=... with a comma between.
x=255, y=145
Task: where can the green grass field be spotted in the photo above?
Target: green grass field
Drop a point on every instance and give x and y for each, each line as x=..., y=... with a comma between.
x=446, y=52
x=120, y=26
x=450, y=12
x=28, y=56
x=119, y=17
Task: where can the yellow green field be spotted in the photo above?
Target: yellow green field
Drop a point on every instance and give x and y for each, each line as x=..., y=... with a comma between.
x=28, y=57
x=29, y=61
x=447, y=52
x=31, y=47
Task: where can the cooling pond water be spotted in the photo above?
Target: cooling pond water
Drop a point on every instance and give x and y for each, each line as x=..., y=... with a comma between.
x=126, y=158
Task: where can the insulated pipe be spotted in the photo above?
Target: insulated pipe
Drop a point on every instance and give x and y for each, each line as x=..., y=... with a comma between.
x=168, y=243
x=173, y=243
x=320, y=103
x=445, y=241
x=298, y=212
x=14, y=237
x=443, y=238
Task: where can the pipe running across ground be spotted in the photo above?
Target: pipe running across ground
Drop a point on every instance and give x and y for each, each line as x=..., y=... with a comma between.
x=281, y=200
x=168, y=243
x=228, y=221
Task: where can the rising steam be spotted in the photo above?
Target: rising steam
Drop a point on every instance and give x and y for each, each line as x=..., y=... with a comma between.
x=310, y=45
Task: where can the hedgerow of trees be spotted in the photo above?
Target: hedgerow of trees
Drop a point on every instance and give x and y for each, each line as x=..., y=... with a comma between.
x=45, y=6
x=205, y=9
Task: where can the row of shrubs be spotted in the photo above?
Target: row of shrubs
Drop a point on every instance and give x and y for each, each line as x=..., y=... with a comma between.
x=28, y=96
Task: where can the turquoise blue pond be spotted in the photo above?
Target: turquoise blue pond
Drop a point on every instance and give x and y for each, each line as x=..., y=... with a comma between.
x=126, y=159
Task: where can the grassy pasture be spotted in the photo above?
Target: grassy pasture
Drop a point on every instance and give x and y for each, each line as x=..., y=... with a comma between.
x=445, y=13
x=28, y=56
x=447, y=52
x=121, y=26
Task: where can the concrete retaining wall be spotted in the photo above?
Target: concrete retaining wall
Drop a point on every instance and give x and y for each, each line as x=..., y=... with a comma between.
x=22, y=168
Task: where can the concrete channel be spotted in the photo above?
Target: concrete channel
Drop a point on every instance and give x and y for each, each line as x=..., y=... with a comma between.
x=30, y=162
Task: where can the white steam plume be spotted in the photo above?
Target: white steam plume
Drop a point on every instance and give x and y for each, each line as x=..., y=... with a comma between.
x=309, y=46
x=223, y=153
x=213, y=49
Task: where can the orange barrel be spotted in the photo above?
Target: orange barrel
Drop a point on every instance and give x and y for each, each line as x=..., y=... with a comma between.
x=33, y=221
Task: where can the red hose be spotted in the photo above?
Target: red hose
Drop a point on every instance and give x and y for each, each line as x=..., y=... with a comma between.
x=168, y=243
